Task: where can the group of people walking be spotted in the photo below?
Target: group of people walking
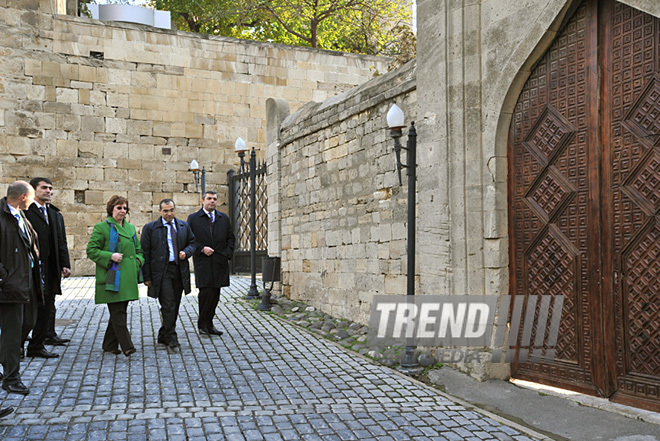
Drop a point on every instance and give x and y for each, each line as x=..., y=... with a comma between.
x=34, y=258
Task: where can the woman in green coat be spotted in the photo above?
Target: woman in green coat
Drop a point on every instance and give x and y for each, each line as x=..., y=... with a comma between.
x=115, y=249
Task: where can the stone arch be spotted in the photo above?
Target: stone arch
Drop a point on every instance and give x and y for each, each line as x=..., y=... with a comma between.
x=519, y=67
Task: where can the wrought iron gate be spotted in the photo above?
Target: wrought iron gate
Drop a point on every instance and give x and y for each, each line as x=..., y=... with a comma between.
x=239, y=213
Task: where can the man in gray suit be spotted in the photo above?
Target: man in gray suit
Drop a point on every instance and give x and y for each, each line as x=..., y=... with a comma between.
x=167, y=243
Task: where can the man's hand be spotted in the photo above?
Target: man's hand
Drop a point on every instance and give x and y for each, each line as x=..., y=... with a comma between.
x=182, y=255
x=147, y=283
x=66, y=272
x=207, y=250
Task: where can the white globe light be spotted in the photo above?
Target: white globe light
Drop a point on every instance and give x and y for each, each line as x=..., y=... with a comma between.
x=395, y=117
x=240, y=145
x=194, y=165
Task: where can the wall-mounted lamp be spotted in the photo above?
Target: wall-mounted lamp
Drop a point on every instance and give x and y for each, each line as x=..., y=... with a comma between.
x=396, y=122
x=194, y=166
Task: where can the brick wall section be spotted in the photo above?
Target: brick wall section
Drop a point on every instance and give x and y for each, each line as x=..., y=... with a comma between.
x=339, y=209
x=106, y=108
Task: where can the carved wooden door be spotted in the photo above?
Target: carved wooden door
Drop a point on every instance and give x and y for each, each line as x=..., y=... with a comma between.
x=631, y=141
x=584, y=210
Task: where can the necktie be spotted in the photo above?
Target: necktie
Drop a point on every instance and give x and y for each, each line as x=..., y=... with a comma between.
x=43, y=213
x=21, y=226
x=175, y=243
x=212, y=216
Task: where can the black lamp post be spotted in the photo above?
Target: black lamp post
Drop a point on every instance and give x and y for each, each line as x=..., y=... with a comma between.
x=240, y=148
x=395, y=121
x=194, y=166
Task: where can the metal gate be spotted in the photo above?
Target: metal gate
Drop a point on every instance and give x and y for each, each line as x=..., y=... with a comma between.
x=239, y=213
x=584, y=201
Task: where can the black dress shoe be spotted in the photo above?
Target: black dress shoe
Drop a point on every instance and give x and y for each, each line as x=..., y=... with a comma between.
x=6, y=411
x=42, y=353
x=204, y=332
x=56, y=341
x=130, y=351
x=215, y=331
x=113, y=351
x=173, y=344
x=17, y=388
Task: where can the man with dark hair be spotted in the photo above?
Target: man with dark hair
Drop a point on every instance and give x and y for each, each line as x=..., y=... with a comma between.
x=215, y=243
x=20, y=281
x=54, y=254
x=167, y=243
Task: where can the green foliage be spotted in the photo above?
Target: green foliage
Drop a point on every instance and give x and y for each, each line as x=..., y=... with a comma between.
x=217, y=17
x=83, y=9
x=376, y=27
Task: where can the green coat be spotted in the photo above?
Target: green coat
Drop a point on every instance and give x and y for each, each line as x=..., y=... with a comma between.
x=97, y=251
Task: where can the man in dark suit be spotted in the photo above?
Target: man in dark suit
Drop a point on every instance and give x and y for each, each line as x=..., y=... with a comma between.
x=54, y=254
x=167, y=243
x=20, y=281
x=215, y=243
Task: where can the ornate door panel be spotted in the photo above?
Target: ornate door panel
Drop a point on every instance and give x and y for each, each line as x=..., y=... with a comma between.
x=584, y=191
x=551, y=218
x=631, y=92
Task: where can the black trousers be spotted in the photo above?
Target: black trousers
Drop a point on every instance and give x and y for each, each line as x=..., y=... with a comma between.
x=171, y=289
x=16, y=322
x=44, y=323
x=208, y=300
x=116, y=334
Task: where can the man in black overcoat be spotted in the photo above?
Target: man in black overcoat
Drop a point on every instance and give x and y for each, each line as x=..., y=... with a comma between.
x=55, y=265
x=20, y=282
x=167, y=243
x=215, y=242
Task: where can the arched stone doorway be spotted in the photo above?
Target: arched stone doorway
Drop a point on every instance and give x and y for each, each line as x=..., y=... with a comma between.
x=584, y=201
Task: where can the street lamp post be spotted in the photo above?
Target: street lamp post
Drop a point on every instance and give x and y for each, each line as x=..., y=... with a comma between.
x=395, y=121
x=240, y=147
x=194, y=166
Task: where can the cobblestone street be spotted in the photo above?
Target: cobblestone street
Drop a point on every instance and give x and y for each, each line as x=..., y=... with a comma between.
x=264, y=379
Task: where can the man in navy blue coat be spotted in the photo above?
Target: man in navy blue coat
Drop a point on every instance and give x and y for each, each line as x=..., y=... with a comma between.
x=167, y=243
x=215, y=242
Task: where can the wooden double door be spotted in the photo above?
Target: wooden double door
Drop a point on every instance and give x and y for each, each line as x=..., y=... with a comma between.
x=584, y=201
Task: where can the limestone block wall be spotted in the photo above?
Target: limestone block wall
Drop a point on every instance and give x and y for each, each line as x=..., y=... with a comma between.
x=337, y=214
x=112, y=108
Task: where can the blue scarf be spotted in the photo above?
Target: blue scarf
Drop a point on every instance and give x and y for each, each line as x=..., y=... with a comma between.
x=114, y=272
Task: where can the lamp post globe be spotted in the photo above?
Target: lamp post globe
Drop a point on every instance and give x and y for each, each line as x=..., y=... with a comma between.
x=396, y=122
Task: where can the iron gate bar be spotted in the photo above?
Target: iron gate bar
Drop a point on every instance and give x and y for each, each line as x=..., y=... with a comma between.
x=239, y=213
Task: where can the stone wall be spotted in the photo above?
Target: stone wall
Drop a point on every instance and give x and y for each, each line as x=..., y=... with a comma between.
x=337, y=214
x=105, y=108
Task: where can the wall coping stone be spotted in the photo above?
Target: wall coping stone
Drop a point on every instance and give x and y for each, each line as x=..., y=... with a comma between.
x=342, y=106
x=214, y=38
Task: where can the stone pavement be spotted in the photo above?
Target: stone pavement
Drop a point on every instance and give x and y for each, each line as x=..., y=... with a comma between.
x=263, y=380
